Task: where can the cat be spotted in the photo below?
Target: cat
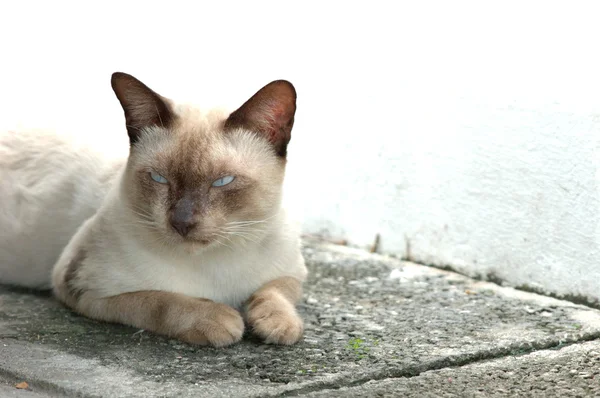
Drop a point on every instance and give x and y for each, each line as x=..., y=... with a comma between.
x=185, y=237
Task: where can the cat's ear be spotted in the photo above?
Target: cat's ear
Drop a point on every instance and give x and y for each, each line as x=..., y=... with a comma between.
x=270, y=112
x=143, y=107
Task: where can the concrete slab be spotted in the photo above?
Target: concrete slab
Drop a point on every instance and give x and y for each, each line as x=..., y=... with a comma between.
x=8, y=389
x=368, y=317
x=572, y=371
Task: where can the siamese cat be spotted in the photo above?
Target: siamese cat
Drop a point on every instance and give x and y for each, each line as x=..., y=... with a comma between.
x=185, y=237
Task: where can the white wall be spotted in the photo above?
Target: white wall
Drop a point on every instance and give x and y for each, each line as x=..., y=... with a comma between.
x=465, y=131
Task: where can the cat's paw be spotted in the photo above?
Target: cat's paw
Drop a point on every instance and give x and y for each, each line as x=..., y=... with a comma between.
x=217, y=324
x=274, y=319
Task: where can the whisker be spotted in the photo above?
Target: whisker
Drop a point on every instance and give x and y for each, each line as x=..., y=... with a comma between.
x=223, y=243
x=147, y=217
x=250, y=222
x=244, y=229
x=138, y=223
x=245, y=236
x=250, y=231
x=139, y=209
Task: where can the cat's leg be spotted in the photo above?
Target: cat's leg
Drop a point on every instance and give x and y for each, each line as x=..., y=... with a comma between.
x=271, y=311
x=193, y=320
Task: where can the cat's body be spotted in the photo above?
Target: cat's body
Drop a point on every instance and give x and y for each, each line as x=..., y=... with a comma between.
x=180, y=238
x=49, y=185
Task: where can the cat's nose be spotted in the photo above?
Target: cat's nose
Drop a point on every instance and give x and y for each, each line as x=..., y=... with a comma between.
x=182, y=217
x=183, y=227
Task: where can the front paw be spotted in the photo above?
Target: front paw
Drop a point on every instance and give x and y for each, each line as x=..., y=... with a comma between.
x=274, y=319
x=216, y=324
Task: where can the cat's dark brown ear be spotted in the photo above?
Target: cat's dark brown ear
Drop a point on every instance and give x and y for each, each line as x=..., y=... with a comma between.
x=143, y=107
x=270, y=112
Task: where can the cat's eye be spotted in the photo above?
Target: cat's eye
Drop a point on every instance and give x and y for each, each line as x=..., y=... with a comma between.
x=158, y=178
x=223, y=181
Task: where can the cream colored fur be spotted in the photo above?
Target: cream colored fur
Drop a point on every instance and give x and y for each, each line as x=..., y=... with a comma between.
x=49, y=184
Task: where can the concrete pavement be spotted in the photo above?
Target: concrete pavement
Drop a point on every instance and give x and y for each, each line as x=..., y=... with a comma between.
x=375, y=326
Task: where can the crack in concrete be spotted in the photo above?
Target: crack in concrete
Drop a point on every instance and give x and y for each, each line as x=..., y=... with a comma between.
x=416, y=370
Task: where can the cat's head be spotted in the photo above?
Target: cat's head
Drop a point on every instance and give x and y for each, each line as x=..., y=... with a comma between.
x=205, y=178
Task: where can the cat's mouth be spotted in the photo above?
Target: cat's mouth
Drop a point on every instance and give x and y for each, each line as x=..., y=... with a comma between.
x=195, y=245
x=193, y=235
x=199, y=240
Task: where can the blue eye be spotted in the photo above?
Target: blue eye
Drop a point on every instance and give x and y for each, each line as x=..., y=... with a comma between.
x=223, y=181
x=158, y=178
